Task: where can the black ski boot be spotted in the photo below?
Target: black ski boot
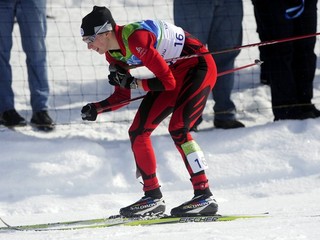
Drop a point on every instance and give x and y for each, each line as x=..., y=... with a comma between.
x=199, y=205
x=146, y=206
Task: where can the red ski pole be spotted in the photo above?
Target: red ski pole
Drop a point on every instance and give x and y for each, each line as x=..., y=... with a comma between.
x=265, y=43
x=123, y=102
x=259, y=44
x=256, y=62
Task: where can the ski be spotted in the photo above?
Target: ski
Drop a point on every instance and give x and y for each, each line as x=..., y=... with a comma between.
x=118, y=220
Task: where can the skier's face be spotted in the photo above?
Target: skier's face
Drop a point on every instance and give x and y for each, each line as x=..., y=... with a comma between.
x=98, y=44
x=102, y=42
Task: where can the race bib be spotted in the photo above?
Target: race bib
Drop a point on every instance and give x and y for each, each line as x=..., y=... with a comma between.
x=194, y=156
x=171, y=42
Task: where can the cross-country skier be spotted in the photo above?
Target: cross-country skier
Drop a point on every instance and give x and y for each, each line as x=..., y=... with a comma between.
x=180, y=88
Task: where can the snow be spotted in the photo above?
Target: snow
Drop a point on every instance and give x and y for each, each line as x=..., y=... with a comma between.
x=86, y=170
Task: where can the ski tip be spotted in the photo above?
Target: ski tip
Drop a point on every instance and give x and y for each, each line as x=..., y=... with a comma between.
x=4, y=222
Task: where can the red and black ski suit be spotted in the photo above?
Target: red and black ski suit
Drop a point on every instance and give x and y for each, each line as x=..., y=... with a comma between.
x=181, y=89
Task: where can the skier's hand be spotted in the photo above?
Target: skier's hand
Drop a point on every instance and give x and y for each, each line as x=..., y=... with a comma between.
x=89, y=112
x=120, y=77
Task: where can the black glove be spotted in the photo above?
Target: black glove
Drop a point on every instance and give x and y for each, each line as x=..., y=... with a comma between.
x=89, y=112
x=120, y=77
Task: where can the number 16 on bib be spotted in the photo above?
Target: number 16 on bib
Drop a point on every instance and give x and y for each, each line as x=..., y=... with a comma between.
x=195, y=156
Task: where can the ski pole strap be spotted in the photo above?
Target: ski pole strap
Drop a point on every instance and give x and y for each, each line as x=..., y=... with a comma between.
x=294, y=12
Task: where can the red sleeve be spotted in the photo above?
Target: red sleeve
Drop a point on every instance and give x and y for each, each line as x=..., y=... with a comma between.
x=141, y=44
x=119, y=95
x=113, y=102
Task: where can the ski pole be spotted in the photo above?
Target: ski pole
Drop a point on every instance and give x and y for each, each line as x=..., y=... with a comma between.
x=124, y=102
x=256, y=62
x=259, y=44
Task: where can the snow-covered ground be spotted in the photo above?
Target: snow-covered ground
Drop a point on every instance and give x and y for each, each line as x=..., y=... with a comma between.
x=86, y=170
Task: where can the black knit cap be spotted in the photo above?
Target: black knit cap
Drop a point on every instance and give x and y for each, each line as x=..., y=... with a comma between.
x=92, y=22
